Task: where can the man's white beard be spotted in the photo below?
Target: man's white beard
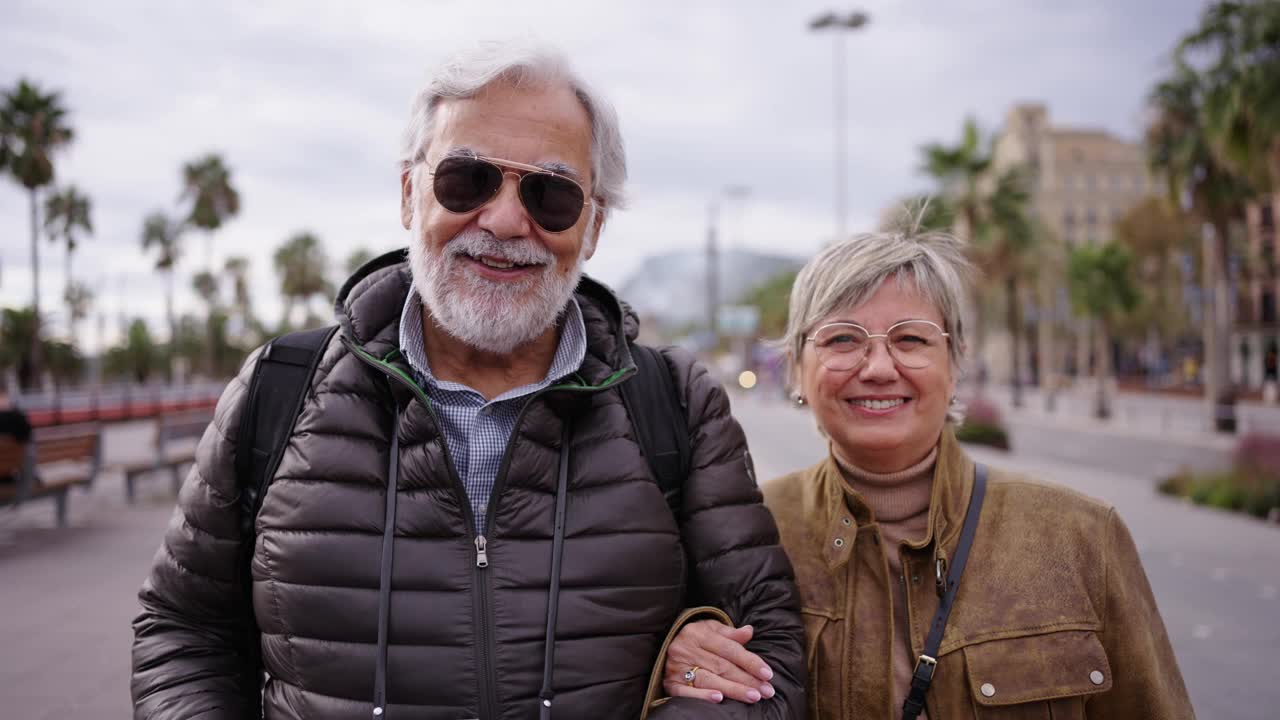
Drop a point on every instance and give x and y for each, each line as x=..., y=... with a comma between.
x=492, y=316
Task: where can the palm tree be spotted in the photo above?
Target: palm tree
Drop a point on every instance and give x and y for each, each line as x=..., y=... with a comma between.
x=67, y=212
x=165, y=234
x=206, y=183
x=1004, y=245
x=237, y=269
x=1160, y=239
x=78, y=297
x=1102, y=289
x=17, y=334
x=959, y=170
x=301, y=264
x=1241, y=103
x=206, y=286
x=33, y=125
x=1179, y=148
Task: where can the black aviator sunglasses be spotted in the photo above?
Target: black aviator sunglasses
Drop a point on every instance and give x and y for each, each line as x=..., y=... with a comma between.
x=463, y=183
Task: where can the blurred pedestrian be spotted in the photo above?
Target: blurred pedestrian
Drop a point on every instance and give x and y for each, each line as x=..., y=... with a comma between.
x=930, y=582
x=462, y=522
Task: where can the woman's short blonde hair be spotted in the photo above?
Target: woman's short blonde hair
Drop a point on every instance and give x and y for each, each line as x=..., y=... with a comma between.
x=847, y=272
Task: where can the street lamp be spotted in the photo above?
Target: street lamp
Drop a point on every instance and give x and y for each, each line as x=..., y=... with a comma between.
x=841, y=24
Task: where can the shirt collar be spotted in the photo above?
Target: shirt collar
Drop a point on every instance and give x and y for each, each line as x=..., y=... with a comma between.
x=570, y=352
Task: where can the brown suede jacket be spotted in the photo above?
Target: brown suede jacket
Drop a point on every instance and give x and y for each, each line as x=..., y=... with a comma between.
x=1054, y=617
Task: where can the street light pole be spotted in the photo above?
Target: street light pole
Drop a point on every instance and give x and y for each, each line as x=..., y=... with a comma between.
x=841, y=24
x=713, y=274
x=728, y=192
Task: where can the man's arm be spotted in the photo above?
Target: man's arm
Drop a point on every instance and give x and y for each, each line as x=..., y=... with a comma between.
x=193, y=639
x=736, y=559
x=1145, y=681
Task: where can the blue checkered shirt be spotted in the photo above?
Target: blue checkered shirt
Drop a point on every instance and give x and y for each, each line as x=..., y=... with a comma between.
x=477, y=431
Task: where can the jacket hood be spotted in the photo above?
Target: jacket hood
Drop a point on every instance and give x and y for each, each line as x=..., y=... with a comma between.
x=369, y=305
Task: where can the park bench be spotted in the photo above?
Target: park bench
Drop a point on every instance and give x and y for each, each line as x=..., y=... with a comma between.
x=50, y=464
x=183, y=429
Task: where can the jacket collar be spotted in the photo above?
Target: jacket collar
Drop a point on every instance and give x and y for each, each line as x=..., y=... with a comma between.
x=844, y=510
x=370, y=304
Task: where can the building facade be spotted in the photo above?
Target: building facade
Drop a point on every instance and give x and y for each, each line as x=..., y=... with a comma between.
x=1081, y=182
x=1257, y=314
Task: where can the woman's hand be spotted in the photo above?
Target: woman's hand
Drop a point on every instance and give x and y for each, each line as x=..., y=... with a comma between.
x=725, y=669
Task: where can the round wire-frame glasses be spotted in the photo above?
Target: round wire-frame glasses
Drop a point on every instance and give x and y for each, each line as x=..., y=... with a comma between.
x=913, y=344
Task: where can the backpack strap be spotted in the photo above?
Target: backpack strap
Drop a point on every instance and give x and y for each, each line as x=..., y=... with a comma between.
x=276, y=393
x=279, y=385
x=659, y=419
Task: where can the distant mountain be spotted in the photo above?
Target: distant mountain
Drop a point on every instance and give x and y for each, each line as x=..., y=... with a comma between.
x=672, y=288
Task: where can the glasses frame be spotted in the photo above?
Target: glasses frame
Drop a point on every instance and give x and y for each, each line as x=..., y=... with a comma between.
x=520, y=171
x=870, y=338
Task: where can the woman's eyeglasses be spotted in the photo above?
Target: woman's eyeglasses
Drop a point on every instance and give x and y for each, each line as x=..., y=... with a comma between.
x=913, y=344
x=464, y=183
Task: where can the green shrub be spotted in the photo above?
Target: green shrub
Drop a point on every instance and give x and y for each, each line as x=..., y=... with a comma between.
x=1247, y=491
x=1200, y=492
x=1226, y=494
x=1177, y=485
x=983, y=434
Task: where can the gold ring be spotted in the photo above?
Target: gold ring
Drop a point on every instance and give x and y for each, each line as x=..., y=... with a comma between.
x=691, y=675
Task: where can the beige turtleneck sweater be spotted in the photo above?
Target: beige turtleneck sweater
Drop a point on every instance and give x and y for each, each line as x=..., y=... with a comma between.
x=900, y=504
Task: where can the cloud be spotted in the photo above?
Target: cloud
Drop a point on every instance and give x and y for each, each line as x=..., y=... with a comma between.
x=306, y=101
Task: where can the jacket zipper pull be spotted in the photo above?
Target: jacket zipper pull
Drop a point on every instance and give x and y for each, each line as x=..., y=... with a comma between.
x=482, y=557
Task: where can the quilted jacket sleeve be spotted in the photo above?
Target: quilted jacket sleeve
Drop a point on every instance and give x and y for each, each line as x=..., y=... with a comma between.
x=192, y=638
x=736, y=558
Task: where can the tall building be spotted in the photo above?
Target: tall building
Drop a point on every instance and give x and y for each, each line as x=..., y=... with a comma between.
x=1081, y=181
x=1257, y=316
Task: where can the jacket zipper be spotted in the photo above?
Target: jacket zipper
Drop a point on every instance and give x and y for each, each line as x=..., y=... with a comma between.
x=486, y=647
x=487, y=691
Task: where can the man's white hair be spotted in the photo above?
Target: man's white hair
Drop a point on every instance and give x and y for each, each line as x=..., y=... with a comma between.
x=523, y=64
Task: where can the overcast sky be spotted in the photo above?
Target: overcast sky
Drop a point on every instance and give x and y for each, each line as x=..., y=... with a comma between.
x=306, y=100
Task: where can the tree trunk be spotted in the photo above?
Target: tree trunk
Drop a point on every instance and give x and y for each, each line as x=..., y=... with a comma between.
x=66, y=297
x=34, y=351
x=173, y=325
x=1045, y=340
x=979, y=325
x=288, y=314
x=1218, y=393
x=1013, y=315
x=1102, y=369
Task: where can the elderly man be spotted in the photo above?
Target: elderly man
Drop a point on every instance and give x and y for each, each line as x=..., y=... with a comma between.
x=460, y=522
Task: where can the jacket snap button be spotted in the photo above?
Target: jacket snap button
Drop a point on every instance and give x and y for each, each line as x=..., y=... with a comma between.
x=847, y=522
x=1096, y=677
x=988, y=689
x=839, y=542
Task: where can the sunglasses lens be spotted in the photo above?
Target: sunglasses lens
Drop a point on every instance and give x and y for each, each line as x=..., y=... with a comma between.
x=463, y=184
x=553, y=202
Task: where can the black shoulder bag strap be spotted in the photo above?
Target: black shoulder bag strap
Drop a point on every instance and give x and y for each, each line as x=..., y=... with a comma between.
x=922, y=678
x=659, y=419
x=276, y=392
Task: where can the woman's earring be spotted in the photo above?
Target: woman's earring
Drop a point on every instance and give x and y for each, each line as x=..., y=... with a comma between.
x=799, y=399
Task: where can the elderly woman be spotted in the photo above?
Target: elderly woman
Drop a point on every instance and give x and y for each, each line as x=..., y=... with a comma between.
x=930, y=585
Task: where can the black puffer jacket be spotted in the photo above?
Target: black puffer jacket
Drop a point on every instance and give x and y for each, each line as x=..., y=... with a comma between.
x=464, y=641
